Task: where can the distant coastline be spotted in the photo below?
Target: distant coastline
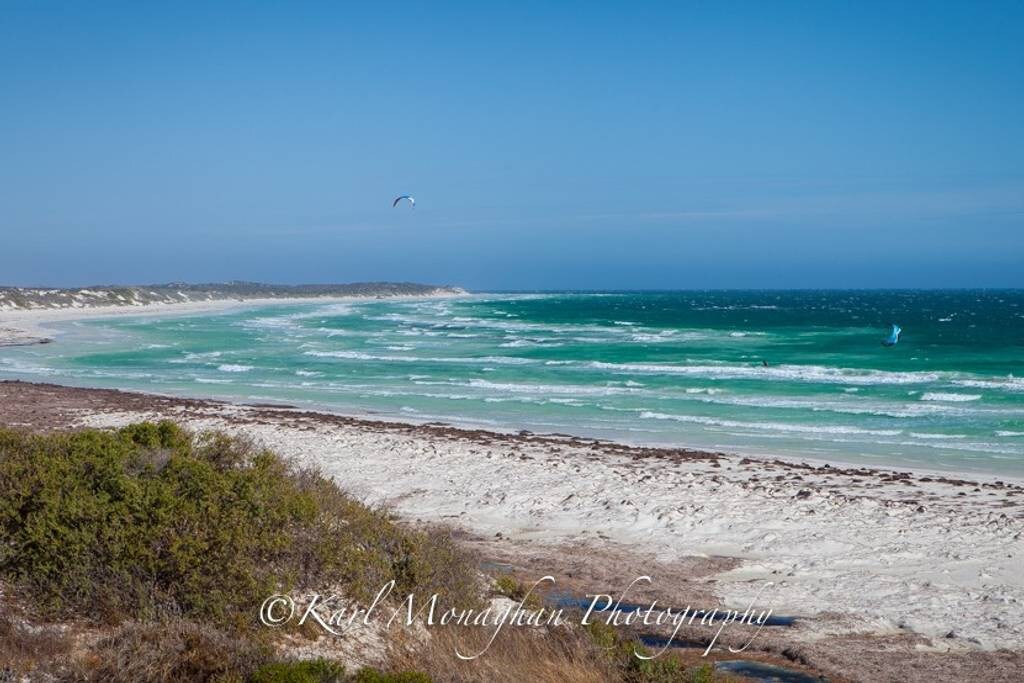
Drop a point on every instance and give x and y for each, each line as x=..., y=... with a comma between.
x=34, y=298
x=23, y=308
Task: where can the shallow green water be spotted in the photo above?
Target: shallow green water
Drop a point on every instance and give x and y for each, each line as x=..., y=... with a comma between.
x=684, y=368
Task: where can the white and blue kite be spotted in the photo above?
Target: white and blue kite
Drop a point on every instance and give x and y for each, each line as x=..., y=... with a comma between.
x=412, y=201
x=894, y=336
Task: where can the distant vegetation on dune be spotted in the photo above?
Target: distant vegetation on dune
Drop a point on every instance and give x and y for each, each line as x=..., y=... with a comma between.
x=18, y=298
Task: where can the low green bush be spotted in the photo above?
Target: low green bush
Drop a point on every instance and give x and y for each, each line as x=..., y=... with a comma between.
x=150, y=521
x=307, y=671
x=509, y=586
x=369, y=675
x=325, y=671
x=621, y=653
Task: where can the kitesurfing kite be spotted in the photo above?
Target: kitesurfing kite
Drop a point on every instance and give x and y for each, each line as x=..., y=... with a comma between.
x=412, y=201
x=894, y=337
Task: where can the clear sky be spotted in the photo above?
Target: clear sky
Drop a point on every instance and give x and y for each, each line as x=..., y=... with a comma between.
x=548, y=144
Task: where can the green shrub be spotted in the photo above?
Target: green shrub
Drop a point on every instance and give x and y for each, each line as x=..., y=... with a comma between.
x=306, y=671
x=508, y=585
x=666, y=668
x=369, y=675
x=514, y=589
x=150, y=521
x=325, y=671
x=705, y=673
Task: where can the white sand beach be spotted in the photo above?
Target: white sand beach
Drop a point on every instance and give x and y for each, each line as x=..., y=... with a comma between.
x=888, y=554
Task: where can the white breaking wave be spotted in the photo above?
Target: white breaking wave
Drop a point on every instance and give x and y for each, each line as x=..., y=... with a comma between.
x=791, y=373
x=271, y=323
x=923, y=435
x=361, y=355
x=485, y=323
x=542, y=389
x=950, y=398
x=331, y=332
x=232, y=367
x=1009, y=383
x=664, y=336
x=769, y=426
x=654, y=338
x=329, y=310
x=818, y=405
x=200, y=356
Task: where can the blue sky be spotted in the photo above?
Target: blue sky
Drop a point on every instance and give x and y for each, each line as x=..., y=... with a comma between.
x=549, y=145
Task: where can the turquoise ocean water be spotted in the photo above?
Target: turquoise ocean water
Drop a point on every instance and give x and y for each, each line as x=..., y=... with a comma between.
x=677, y=368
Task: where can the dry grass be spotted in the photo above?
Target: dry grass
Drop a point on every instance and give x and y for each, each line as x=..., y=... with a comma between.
x=24, y=649
x=560, y=654
x=557, y=655
x=170, y=652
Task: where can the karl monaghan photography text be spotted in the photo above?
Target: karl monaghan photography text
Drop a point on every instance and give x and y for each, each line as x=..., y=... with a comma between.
x=455, y=342
x=333, y=615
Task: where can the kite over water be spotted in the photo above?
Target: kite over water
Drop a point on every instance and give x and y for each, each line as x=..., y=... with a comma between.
x=893, y=337
x=412, y=201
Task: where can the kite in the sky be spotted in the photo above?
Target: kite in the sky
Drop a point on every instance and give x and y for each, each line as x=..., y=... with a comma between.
x=894, y=337
x=412, y=201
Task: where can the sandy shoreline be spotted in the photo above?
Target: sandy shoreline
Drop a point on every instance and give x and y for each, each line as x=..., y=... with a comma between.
x=856, y=553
